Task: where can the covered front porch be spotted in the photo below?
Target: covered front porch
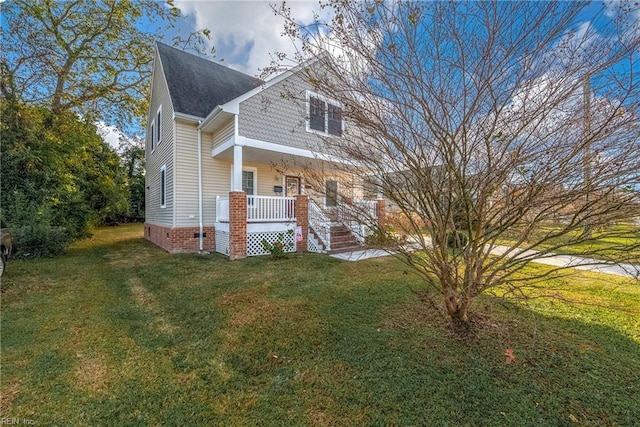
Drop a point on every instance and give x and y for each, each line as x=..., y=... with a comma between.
x=244, y=222
x=277, y=195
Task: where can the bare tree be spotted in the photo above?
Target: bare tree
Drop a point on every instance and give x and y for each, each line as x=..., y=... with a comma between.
x=469, y=119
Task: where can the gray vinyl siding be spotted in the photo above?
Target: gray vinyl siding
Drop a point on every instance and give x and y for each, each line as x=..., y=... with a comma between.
x=270, y=116
x=162, y=154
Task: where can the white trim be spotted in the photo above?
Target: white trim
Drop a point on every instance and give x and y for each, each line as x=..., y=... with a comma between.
x=222, y=147
x=276, y=148
x=236, y=177
x=212, y=115
x=200, y=220
x=233, y=106
x=163, y=186
x=255, y=178
x=186, y=117
x=285, y=149
x=327, y=101
x=153, y=135
x=256, y=227
x=164, y=77
x=159, y=133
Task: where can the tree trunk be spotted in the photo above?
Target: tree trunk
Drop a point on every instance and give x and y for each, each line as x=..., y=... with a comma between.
x=458, y=308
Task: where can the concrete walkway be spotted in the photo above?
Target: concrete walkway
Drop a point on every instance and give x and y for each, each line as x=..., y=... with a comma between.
x=579, y=263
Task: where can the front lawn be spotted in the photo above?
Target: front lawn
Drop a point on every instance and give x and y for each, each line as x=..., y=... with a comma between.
x=117, y=332
x=618, y=243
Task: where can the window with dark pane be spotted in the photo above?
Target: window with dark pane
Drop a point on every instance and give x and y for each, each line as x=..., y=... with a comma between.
x=159, y=126
x=334, y=120
x=163, y=187
x=316, y=113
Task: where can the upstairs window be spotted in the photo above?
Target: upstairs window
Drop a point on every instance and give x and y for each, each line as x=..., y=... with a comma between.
x=151, y=135
x=324, y=116
x=334, y=120
x=163, y=186
x=159, y=122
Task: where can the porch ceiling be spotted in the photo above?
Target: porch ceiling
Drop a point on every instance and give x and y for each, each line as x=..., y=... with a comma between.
x=272, y=157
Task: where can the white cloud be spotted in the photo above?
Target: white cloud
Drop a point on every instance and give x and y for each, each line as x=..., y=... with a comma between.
x=113, y=136
x=245, y=33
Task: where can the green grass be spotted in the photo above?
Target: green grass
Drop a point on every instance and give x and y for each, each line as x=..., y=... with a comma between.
x=117, y=332
x=619, y=243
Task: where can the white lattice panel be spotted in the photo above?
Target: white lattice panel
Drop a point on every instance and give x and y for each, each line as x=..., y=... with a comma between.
x=222, y=242
x=313, y=245
x=254, y=242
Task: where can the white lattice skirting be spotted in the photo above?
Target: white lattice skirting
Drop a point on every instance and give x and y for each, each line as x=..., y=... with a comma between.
x=313, y=245
x=254, y=241
x=222, y=242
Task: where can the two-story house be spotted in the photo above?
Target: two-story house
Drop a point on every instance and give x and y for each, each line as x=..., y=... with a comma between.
x=228, y=159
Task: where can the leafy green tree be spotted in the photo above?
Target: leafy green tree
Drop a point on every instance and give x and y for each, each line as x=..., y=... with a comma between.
x=57, y=174
x=132, y=155
x=93, y=57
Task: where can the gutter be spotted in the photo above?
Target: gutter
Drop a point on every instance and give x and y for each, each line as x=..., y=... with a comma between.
x=212, y=115
x=201, y=224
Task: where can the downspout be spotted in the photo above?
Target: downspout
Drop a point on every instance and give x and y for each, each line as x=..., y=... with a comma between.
x=201, y=225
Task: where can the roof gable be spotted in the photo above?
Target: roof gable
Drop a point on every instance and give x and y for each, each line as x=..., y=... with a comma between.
x=197, y=85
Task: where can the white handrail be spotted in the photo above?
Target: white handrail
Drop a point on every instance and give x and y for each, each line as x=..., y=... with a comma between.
x=320, y=223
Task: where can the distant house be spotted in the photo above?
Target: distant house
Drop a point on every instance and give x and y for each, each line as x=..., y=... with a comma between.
x=216, y=142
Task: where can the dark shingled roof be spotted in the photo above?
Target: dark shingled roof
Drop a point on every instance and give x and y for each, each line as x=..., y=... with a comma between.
x=197, y=85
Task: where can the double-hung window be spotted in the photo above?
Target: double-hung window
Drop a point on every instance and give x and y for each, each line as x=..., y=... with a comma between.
x=152, y=135
x=159, y=122
x=163, y=186
x=324, y=116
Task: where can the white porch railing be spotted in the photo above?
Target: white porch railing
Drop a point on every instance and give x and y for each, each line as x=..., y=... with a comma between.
x=270, y=209
x=320, y=223
x=361, y=211
x=260, y=209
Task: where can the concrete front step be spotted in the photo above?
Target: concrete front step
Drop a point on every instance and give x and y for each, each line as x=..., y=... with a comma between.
x=344, y=250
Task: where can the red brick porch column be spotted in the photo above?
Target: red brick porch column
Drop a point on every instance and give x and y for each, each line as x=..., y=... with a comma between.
x=381, y=213
x=237, y=225
x=302, y=220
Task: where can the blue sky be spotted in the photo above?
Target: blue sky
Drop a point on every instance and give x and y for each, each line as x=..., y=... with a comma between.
x=244, y=33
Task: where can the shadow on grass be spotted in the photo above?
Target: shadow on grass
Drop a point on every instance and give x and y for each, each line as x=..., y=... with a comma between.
x=129, y=335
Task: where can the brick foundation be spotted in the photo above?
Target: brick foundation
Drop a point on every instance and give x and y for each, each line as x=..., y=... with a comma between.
x=180, y=240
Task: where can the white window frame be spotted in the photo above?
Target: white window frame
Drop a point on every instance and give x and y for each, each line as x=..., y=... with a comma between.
x=327, y=101
x=163, y=186
x=159, y=120
x=255, y=178
x=153, y=135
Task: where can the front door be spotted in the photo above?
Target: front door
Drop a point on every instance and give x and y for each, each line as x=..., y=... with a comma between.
x=292, y=186
x=292, y=189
